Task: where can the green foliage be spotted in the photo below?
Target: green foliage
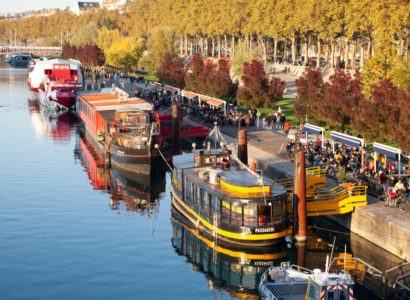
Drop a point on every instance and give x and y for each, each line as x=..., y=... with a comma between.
x=85, y=35
x=161, y=41
x=124, y=53
x=106, y=37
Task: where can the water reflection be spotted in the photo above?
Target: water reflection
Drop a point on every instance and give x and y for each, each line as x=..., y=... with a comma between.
x=129, y=192
x=235, y=270
x=58, y=125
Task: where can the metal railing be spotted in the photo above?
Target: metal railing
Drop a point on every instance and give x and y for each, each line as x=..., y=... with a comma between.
x=393, y=283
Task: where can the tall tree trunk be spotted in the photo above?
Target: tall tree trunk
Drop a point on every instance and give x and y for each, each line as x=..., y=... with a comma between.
x=186, y=45
x=285, y=50
x=181, y=46
x=240, y=45
x=293, y=48
x=353, y=61
x=219, y=46
x=250, y=45
x=332, y=55
x=307, y=50
x=261, y=41
x=275, y=49
x=369, y=50
x=346, y=58
x=246, y=45
x=326, y=57
x=361, y=56
x=318, y=52
x=233, y=46
x=191, y=46
x=213, y=46
x=226, y=45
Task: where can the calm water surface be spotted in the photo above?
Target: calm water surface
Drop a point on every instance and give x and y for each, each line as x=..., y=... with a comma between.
x=71, y=229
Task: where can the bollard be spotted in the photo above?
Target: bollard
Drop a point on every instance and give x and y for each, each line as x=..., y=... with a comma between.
x=243, y=146
x=176, y=136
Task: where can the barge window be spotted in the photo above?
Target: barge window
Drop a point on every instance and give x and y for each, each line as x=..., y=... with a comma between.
x=195, y=198
x=226, y=211
x=236, y=214
x=211, y=206
x=264, y=214
x=204, y=203
x=249, y=215
x=277, y=211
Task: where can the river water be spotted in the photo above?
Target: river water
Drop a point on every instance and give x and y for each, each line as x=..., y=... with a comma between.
x=70, y=228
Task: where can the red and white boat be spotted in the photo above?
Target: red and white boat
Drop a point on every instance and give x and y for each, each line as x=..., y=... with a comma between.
x=55, y=82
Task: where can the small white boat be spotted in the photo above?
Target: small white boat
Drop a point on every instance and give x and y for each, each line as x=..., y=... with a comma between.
x=291, y=282
x=55, y=82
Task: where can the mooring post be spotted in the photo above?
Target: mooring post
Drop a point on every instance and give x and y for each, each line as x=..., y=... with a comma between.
x=176, y=136
x=301, y=196
x=243, y=146
x=295, y=186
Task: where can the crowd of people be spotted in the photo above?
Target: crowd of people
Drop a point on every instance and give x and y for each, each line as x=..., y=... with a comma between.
x=356, y=165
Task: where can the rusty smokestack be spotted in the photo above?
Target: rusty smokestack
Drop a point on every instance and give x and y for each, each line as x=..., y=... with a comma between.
x=176, y=136
x=243, y=146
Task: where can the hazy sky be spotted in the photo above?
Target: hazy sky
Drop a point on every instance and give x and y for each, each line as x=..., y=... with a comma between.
x=23, y=5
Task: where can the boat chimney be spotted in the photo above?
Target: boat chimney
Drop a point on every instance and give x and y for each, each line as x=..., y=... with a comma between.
x=243, y=146
x=208, y=146
x=176, y=136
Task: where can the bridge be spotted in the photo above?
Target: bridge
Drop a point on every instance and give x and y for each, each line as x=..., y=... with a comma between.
x=38, y=50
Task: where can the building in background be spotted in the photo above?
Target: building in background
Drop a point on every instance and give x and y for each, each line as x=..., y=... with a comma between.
x=80, y=7
x=113, y=4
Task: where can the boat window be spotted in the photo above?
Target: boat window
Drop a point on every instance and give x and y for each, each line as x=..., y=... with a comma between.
x=313, y=290
x=236, y=213
x=249, y=214
x=226, y=211
x=264, y=214
x=344, y=294
x=195, y=198
x=330, y=295
x=204, y=203
x=211, y=205
x=277, y=212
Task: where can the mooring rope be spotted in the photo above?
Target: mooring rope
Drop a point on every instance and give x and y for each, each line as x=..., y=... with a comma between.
x=163, y=157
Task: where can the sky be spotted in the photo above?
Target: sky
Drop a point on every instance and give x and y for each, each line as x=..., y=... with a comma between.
x=10, y=6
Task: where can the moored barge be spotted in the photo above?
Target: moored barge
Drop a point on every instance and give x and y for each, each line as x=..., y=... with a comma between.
x=226, y=200
x=122, y=127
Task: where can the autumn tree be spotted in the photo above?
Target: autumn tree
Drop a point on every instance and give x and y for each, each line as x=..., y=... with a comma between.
x=106, y=37
x=196, y=67
x=85, y=35
x=172, y=71
x=276, y=88
x=341, y=96
x=255, y=90
x=160, y=42
x=310, y=94
x=124, y=53
x=402, y=128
